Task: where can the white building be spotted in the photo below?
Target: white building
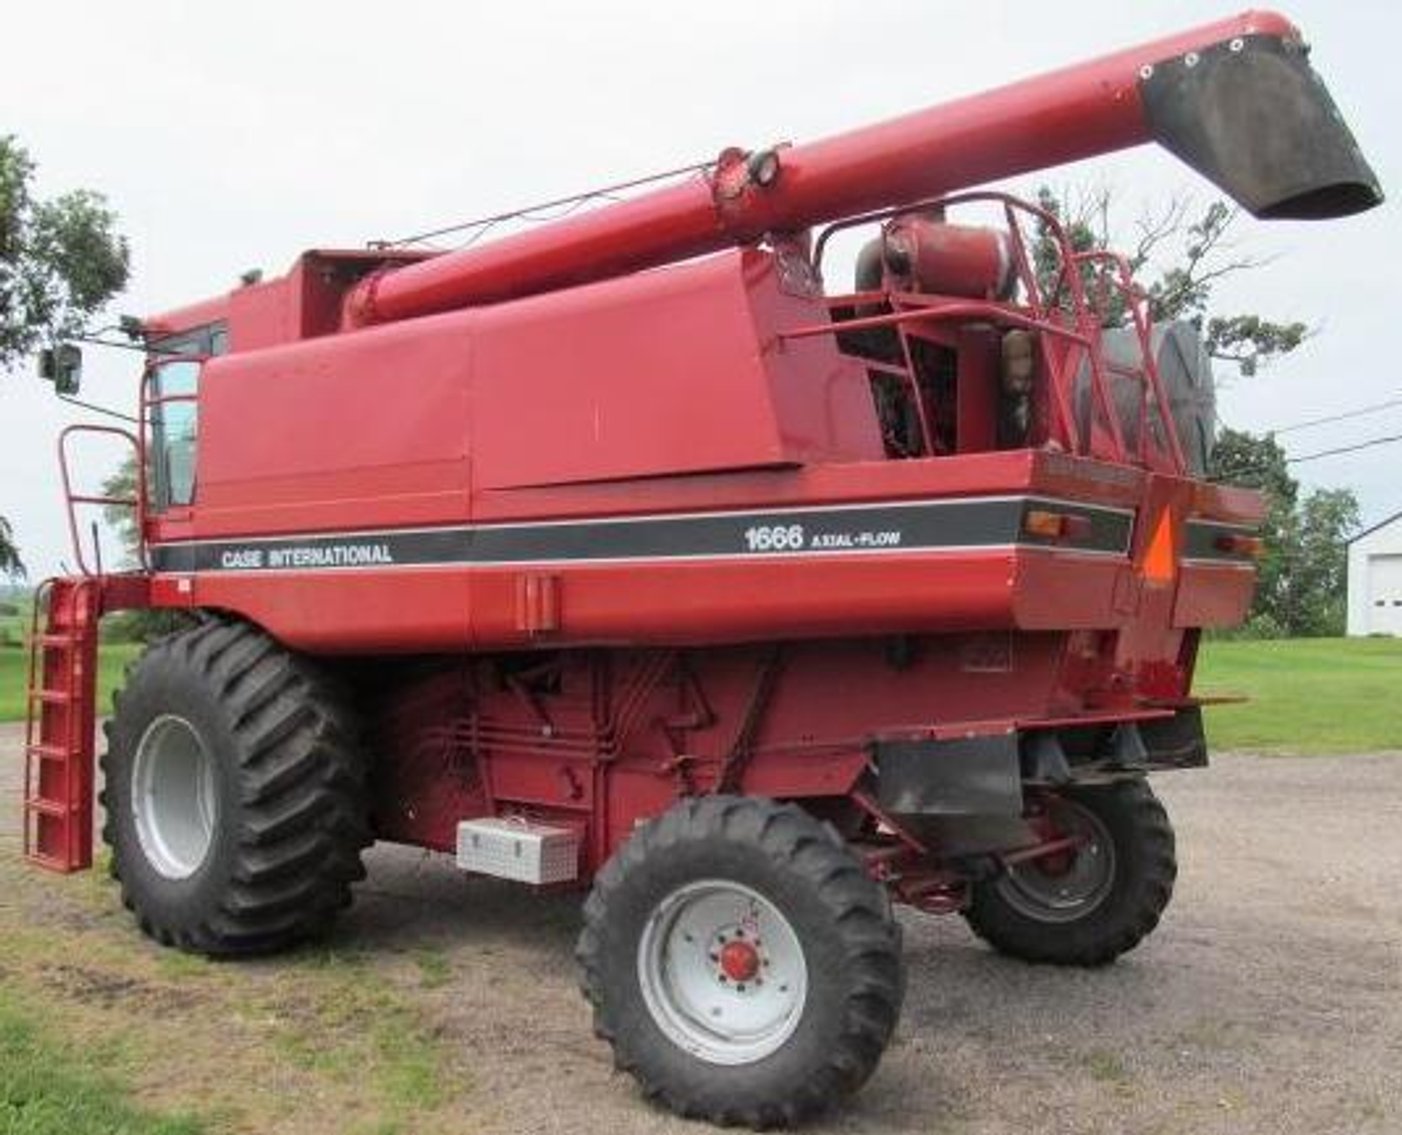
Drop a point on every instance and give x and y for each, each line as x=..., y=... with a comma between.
x=1375, y=579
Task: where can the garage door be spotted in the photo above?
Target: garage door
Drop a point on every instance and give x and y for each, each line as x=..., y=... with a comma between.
x=1385, y=595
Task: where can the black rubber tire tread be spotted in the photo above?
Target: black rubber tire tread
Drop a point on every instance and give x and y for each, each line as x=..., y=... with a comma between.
x=293, y=815
x=1145, y=868
x=850, y=937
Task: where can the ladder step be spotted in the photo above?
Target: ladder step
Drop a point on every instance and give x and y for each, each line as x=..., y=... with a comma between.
x=53, y=697
x=49, y=752
x=47, y=807
x=51, y=862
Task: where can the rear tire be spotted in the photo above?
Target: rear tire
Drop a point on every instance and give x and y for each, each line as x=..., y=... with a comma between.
x=235, y=793
x=1105, y=902
x=690, y=919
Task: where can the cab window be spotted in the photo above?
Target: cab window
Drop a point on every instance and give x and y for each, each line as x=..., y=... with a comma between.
x=174, y=433
x=175, y=424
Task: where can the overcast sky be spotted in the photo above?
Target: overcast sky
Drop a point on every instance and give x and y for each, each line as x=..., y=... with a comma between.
x=233, y=136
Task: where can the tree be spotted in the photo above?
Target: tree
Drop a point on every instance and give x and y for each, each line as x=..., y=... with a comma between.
x=121, y=485
x=1304, y=570
x=1192, y=255
x=61, y=261
x=1317, y=580
x=10, y=563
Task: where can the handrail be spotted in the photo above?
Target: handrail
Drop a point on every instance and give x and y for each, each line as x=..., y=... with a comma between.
x=34, y=677
x=137, y=503
x=1064, y=310
x=1136, y=301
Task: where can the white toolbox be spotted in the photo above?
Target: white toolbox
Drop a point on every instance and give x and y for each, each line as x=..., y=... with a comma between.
x=517, y=849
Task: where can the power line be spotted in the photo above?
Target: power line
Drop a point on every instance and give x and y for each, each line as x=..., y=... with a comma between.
x=1346, y=415
x=1369, y=444
x=1248, y=470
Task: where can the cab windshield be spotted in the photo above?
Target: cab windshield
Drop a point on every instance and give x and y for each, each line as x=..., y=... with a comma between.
x=175, y=424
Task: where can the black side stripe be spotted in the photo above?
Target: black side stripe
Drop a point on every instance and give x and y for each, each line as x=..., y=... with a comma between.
x=986, y=522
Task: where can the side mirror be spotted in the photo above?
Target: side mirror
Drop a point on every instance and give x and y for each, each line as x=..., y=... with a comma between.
x=63, y=366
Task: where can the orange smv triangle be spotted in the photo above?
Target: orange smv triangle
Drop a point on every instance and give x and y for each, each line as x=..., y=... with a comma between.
x=1160, y=564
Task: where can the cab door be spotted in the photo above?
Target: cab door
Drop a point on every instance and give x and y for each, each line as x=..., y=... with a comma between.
x=170, y=423
x=173, y=416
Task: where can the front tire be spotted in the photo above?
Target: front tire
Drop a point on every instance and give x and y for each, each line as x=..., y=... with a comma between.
x=741, y=962
x=1100, y=901
x=235, y=793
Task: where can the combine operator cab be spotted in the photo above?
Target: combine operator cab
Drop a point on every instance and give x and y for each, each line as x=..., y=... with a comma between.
x=624, y=553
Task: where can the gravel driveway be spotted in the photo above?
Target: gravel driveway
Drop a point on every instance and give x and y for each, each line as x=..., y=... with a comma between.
x=1270, y=1000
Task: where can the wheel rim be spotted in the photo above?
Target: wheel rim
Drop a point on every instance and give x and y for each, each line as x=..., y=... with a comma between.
x=722, y=972
x=174, y=798
x=1058, y=889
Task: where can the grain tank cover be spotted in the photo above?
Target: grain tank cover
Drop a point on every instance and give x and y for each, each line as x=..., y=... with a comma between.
x=1252, y=116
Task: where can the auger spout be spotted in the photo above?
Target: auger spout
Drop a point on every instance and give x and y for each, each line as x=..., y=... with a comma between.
x=1237, y=100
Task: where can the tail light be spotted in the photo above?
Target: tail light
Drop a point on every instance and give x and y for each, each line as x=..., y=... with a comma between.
x=1235, y=544
x=1060, y=526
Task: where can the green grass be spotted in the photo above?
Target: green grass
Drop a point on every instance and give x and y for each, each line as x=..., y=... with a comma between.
x=14, y=673
x=358, y=1028
x=1309, y=695
x=14, y=626
x=435, y=970
x=48, y=1089
x=337, y=1028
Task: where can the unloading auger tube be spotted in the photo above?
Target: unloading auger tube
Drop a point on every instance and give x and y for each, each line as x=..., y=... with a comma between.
x=1237, y=100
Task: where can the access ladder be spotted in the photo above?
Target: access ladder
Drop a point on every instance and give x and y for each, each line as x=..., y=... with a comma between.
x=58, y=743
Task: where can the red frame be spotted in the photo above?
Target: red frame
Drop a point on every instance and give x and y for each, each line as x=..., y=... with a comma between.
x=917, y=314
x=72, y=499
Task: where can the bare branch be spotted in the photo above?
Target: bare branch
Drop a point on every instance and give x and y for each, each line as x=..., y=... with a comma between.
x=1153, y=231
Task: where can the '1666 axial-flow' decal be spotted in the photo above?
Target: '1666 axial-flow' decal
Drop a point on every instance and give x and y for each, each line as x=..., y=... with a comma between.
x=907, y=526
x=796, y=538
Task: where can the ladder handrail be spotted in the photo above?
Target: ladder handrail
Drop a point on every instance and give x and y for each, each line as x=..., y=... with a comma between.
x=83, y=596
x=72, y=499
x=41, y=594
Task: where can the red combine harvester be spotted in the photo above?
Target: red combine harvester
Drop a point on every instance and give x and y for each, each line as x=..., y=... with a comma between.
x=619, y=551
